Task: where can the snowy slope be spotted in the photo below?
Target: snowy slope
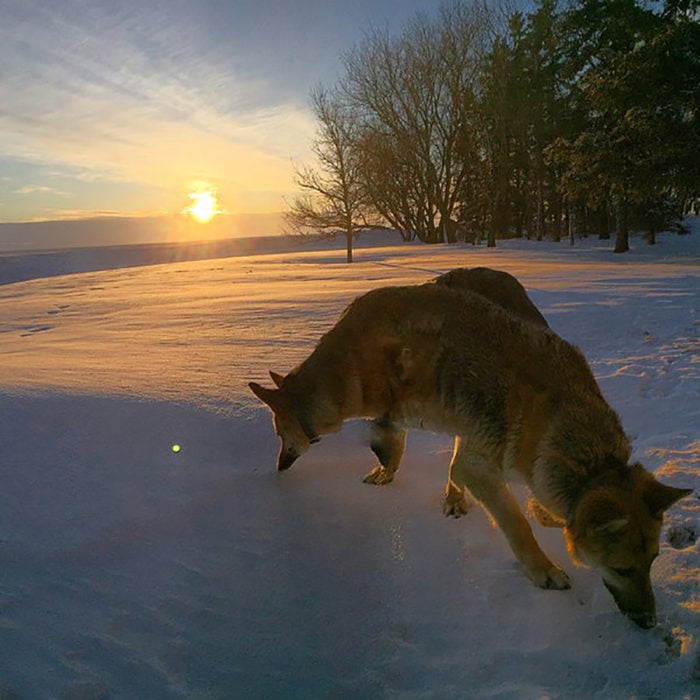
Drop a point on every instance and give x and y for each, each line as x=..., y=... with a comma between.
x=130, y=571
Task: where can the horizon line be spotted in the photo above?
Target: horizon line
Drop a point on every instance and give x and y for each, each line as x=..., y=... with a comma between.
x=107, y=215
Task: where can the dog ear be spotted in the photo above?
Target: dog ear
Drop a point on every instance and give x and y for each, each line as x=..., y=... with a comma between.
x=276, y=378
x=660, y=497
x=268, y=396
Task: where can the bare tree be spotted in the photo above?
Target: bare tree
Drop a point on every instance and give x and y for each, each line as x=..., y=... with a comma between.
x=412, y=97
x=332, y=199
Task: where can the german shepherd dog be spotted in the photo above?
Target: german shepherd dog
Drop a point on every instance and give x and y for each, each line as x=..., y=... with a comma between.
x=520, y=401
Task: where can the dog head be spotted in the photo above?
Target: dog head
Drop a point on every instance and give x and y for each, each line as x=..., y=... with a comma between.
x=290, y=420
x=615, y=527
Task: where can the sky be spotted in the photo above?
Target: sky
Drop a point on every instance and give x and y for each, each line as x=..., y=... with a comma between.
x=125, y=108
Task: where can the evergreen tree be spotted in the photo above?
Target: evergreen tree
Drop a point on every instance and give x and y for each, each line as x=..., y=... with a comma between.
x=464, y=127
x=635, y=86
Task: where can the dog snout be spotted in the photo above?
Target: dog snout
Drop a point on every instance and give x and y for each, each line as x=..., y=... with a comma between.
x=638, y=605
x=646, y=620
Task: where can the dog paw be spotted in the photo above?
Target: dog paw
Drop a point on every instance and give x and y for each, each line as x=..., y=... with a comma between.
x=553, y=578
x=455, y=509
x=379, y=476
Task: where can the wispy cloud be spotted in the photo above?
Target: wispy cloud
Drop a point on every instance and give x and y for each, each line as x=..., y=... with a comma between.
x=40, y=189
x=80, y=214
x=131, y=96
x=135, y=99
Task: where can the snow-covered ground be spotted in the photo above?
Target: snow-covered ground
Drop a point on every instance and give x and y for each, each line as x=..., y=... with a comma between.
x=128, y=570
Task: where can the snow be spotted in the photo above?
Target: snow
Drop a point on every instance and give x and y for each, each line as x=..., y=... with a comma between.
x=128, y=570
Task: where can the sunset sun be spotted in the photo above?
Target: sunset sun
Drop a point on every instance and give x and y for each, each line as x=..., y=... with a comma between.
x=204, y=207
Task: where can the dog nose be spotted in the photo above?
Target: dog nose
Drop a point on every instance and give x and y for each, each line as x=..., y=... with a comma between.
x=646, y=620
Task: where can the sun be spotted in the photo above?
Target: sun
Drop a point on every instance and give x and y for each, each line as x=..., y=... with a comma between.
x=204, y=207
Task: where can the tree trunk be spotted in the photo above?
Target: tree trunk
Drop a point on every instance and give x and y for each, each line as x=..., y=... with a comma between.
x=604, y=234
x=540, y=209
x=348, y=240
x=622, y=236
x=559, y=214
x=570, y=222
x=622, y=242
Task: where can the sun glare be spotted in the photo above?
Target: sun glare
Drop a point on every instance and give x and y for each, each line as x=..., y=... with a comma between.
x=204, y=207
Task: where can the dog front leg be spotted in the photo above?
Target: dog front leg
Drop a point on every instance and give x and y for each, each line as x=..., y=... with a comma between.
x=483, y=479
x=455, y=503
x=388, y=443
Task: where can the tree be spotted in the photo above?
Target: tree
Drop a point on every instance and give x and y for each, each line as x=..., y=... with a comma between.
x=596, y=159
x=666, y=116
x=413, y=97
x=498, y=105
x=522, y=109
x=634, y=149
x=548, y=115
x=472, y=124
x=333, y=198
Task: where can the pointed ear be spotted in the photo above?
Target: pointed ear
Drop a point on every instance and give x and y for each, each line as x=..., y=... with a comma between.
x=660, y=497
x=276, y=378
x=268, y=396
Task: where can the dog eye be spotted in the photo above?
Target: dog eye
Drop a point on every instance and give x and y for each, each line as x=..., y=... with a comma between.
x=625, y=573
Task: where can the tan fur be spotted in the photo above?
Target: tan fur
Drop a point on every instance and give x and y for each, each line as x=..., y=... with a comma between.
x=615, y=526
x=517, y=398
x=498, y=287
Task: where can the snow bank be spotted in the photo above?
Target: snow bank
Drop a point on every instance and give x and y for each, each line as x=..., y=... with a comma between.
x=132, y=571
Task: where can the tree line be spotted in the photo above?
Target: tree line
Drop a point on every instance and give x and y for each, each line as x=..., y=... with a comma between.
x=479, y=123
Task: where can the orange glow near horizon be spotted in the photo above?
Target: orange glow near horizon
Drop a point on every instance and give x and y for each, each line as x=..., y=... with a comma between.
x=204, y=206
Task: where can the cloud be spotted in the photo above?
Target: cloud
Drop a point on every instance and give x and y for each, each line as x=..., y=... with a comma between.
x=40, y=189
x=82, y=214
x=135, y=95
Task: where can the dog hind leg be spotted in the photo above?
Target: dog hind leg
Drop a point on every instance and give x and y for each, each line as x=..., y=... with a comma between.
x=388, y=443
x=483, y=479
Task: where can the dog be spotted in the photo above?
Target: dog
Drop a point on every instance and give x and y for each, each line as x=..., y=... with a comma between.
x=520, y=401
x=497, y=286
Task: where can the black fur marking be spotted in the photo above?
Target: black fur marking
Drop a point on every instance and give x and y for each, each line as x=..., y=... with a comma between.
x=382, y=453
